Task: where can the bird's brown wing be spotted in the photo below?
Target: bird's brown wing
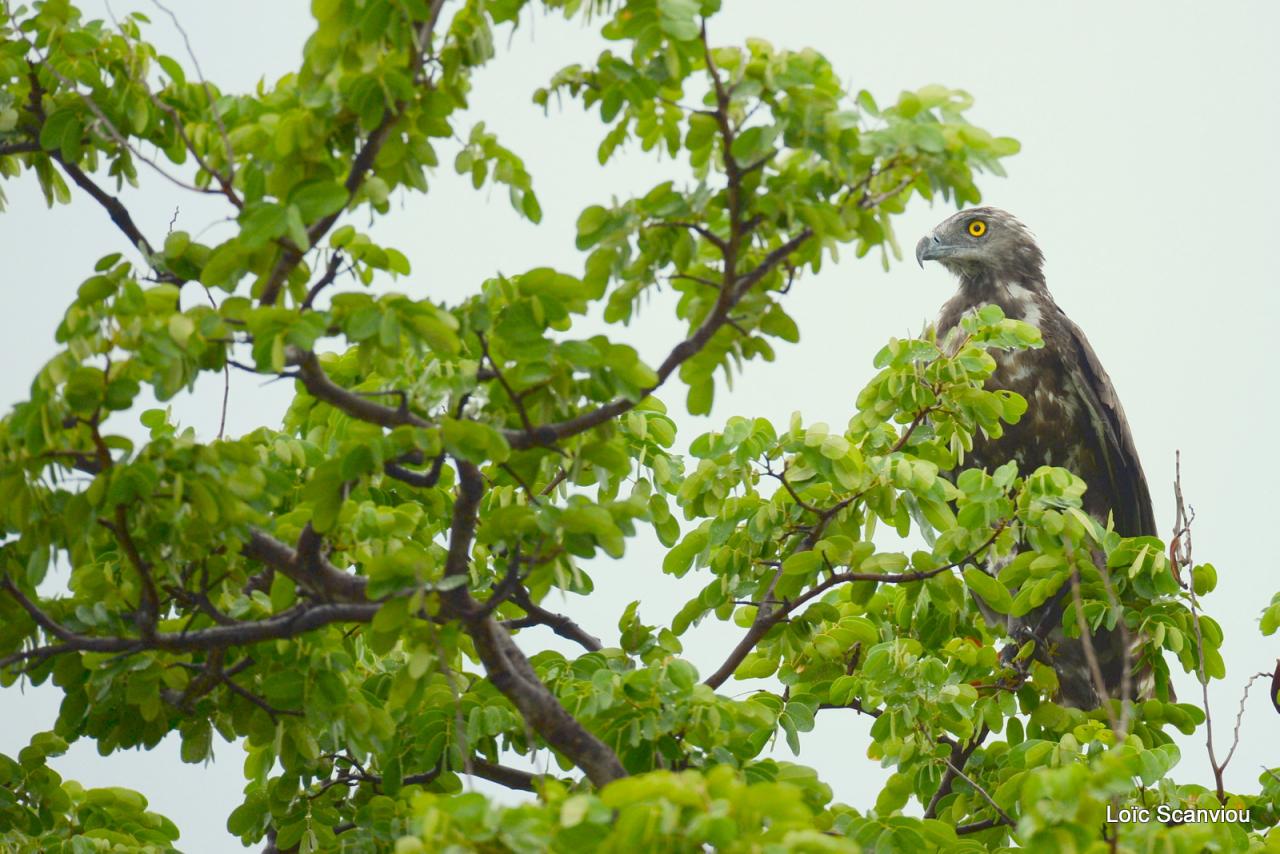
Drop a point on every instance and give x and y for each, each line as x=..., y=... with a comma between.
x=1131, y=500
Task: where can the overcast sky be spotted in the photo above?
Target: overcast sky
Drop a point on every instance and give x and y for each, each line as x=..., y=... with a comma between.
x=1148, y=173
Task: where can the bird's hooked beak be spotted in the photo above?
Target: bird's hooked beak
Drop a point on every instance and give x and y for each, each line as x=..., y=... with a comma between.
x=930, y=248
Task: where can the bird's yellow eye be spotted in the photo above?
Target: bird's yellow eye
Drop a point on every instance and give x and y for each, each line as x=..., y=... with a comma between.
x=977, y=228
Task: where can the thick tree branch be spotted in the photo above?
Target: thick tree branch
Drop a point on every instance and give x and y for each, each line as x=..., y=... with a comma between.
x=306, y=566
x=504, y=663
x=512, y=778
x=320, y=386
x=286, y=624
x=20, y=148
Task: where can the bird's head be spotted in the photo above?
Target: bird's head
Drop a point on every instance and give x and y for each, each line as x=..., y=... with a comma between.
x=983, y=243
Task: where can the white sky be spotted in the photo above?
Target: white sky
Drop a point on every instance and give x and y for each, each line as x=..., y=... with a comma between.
x=1148, y=172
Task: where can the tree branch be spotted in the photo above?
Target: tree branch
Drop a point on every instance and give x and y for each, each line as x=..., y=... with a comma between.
x=1004, y=816
x=148, y=612
x=118, y=212
x=978, y=826
x=20, y=148
x=959, y=756
x=360, y=166
x=504, y=663
x=306, y=566
x=286, y=624
x=548, y=433
x=512, y=778
x=422, y=480
x=558, y=623
x=767, y=618
x=320, y=386
x=698, y=228
x=330, y=273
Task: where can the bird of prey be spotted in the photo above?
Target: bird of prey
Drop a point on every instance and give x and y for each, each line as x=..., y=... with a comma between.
x=1073, y=420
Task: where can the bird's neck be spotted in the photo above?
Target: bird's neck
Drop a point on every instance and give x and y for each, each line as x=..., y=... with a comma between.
x=984, y=286
x=1021, y=297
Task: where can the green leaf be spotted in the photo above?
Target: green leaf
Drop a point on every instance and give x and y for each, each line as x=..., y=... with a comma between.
x=62, y=132
x=262, y=222
x=318, y=199
x=990, y=589
x=181, y=328
x=802, y=563
x=679, y=18
x=224, y=266
x=474, y=441
x=885, y=562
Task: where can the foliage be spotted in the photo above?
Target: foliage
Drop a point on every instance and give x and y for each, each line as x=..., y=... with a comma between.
x=339, y=595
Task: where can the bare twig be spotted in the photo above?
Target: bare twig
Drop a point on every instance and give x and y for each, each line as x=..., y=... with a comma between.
x=1182, y=535
x=697, y=279
x=271, y=710
x=208, y=93
x=1235, y=734
x=781, y=477
x=554, y=482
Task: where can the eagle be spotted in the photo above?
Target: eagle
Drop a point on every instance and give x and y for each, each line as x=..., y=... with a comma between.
x=1073, y=420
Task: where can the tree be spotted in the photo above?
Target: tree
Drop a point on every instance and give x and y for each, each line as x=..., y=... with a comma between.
x=344, y=595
